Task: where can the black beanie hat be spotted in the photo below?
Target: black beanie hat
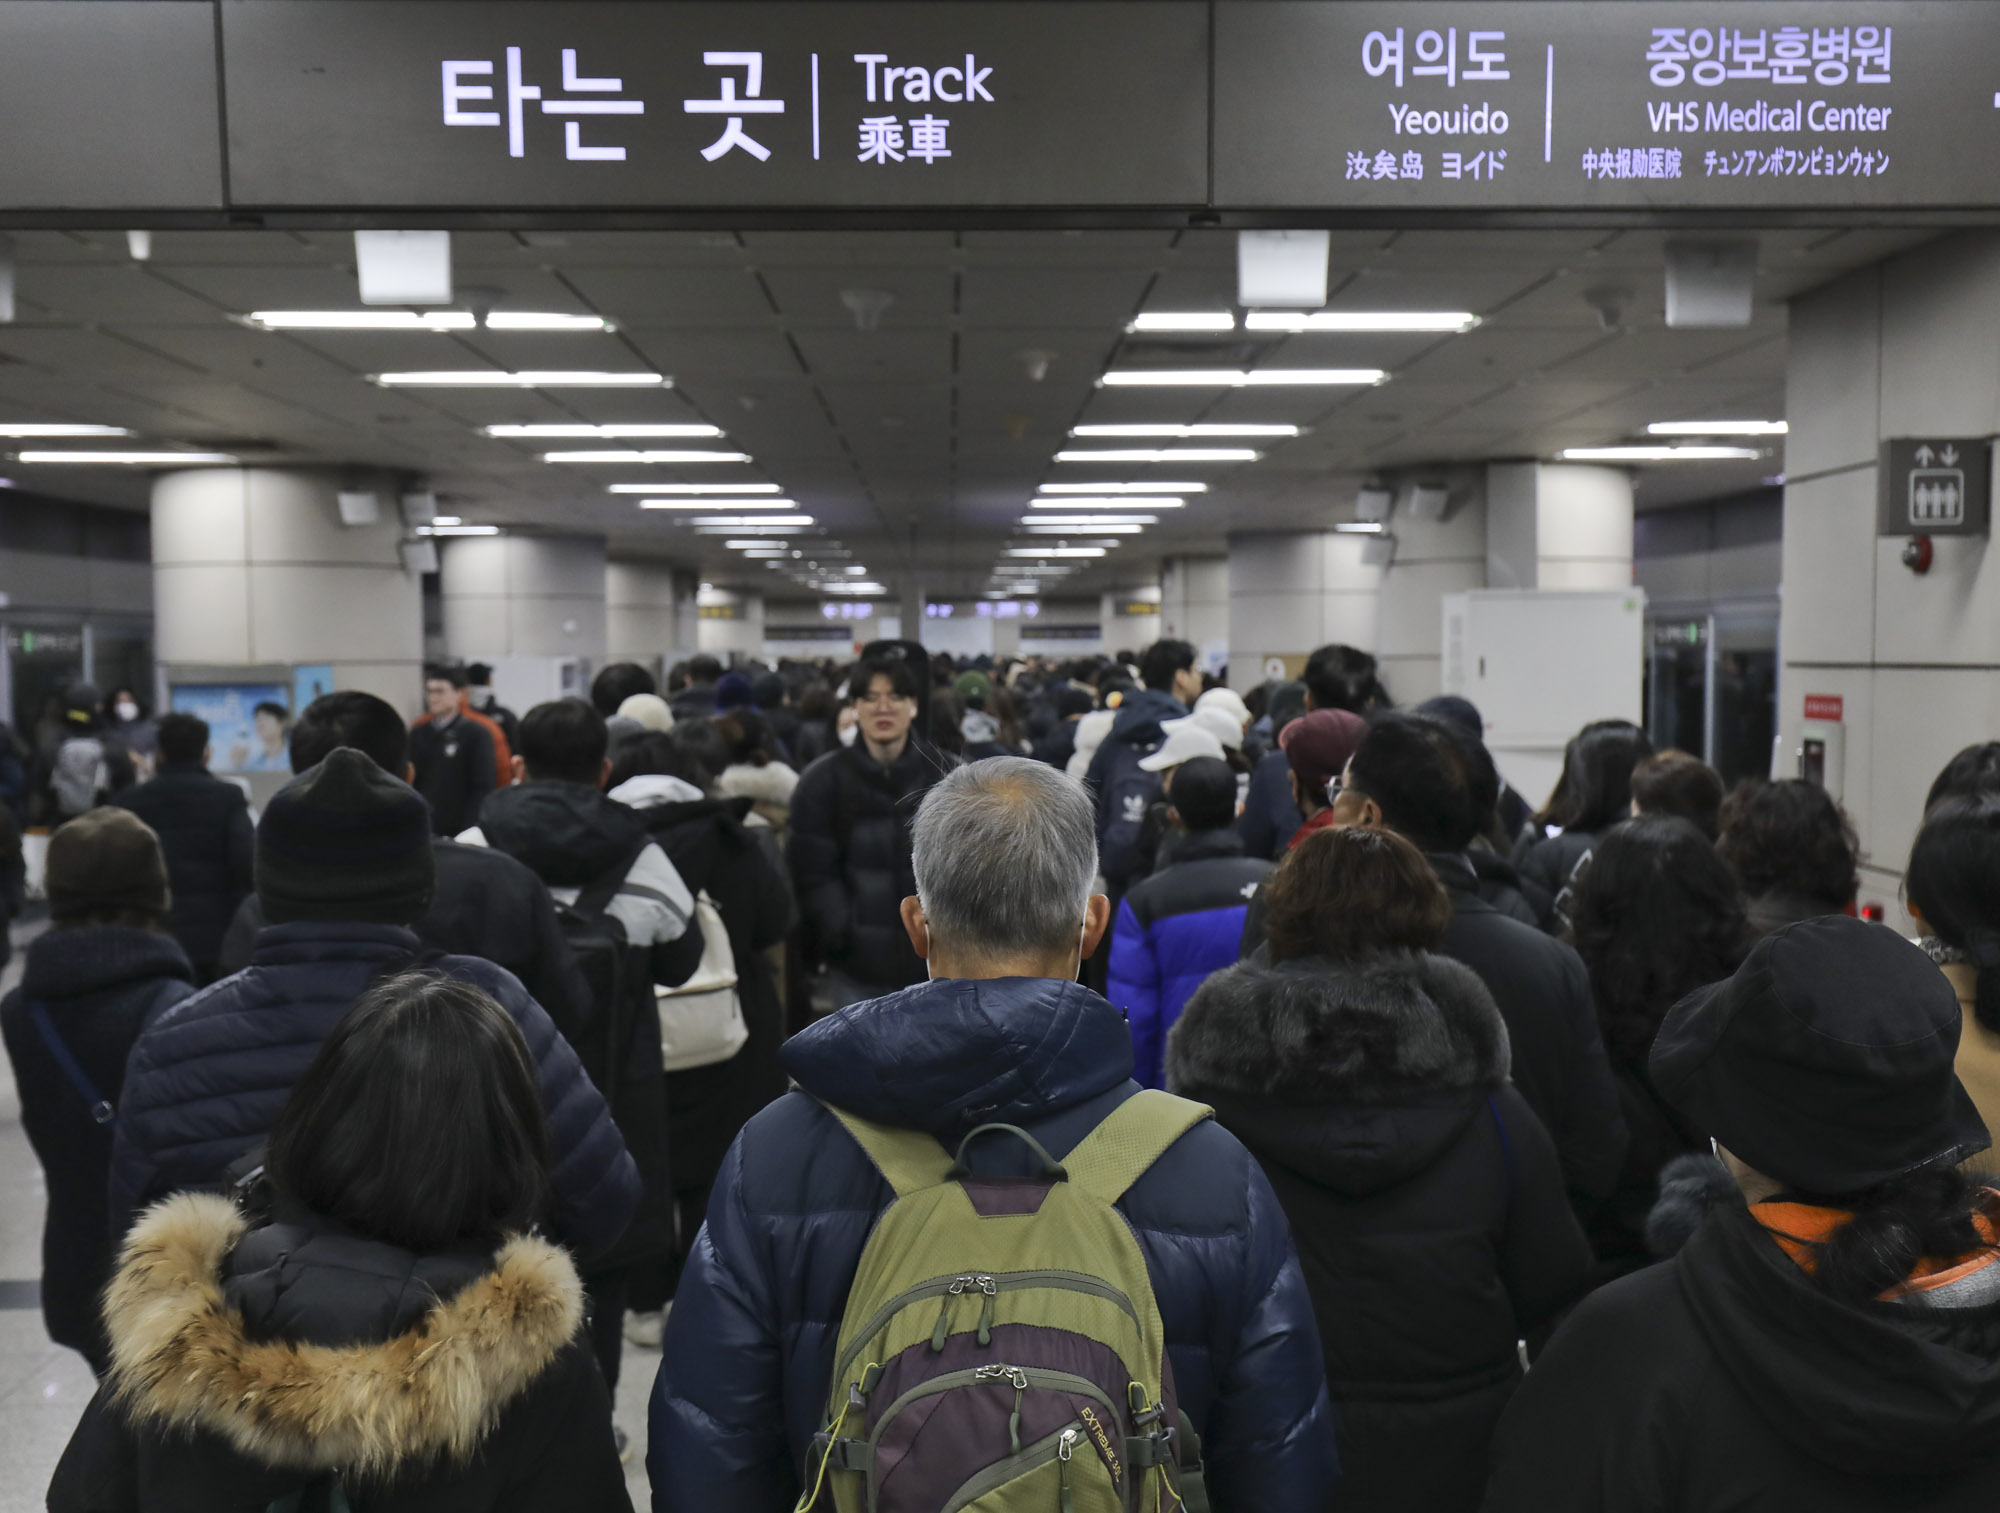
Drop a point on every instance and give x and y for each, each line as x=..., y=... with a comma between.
x=103, y=862
x=344, y=840
x=1826, y=1062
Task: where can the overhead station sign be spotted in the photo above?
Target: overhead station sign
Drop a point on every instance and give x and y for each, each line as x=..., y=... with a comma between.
x=436, y=102
x=1550, y=104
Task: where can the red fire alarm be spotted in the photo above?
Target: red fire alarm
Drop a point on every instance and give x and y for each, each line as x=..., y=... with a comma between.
x=1917, y=554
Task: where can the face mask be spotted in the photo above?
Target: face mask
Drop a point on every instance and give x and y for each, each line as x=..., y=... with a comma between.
x=126, y=710
x=847, y=736
x=479, y=695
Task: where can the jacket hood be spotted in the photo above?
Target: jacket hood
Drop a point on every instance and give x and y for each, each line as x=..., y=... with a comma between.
x=184, y=1359
x=68, y=963
x=1178, y=846
x=947, y=1055
x=1354, y=1075
x=770, y=784
x=1139, y=716
x=649, y=790
x=1889, y=1389
x=567, y=834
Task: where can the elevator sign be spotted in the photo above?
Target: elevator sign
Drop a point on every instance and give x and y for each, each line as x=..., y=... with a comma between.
x=1934, y=486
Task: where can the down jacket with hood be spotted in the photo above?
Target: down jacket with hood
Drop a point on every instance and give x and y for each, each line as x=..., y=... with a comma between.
x=250, y=1364
x=207, y=1080
x=1425, y=1198
x=750, y=1343
x=1725, y=1378
x=850, y=853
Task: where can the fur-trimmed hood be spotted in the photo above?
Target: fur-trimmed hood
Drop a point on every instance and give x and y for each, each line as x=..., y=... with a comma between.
x=1316, y=1031
x=1355, y=1076
x=184, y=1359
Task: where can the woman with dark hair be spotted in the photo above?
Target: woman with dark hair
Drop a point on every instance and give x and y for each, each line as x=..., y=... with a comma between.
x=1792, y=849
x=1369, y=1077
x=725, y=855
x=388, y=1331
x=1593, y=794
x=753, y=770
x=1975, y=769
x=1655, y=915
x=1953, y=893
x=1829, y=1338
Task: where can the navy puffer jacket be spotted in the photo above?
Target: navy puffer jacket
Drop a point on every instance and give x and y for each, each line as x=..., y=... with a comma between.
x=207, y=1079
x=751, y=1340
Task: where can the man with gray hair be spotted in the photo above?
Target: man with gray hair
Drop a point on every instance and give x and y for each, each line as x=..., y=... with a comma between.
x=1002, y=1033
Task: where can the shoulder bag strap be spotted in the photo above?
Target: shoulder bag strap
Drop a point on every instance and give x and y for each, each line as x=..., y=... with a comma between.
x=1137, y=1133
x=596, y=898
x=101, y=1110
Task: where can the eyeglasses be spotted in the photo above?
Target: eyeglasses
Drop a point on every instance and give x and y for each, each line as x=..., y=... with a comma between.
x=1335, y=785
x=882, y=700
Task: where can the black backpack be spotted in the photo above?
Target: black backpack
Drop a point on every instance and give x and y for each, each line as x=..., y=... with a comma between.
x=619, y=1046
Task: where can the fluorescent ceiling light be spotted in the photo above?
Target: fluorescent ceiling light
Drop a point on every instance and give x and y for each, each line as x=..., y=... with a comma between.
x=621, y=455
x=128, y=459
x=1185, y=432
x=695, y=488
x=1658, y=454
x=61, y=429
x=749, y=520
x=1055, y=551
x=421, y=320
x=852, y=588
x=554, y=432
x=1360, y=320
x=1163, y=454
x=1123, y=528
x=767, y=555
x=458, y=530
x=1359, y=527
x=1717, y=428
x=741, y=542
x=1184, y=320
x=1105, y=502
x=494, y=378
x=1237, y=378
x=1124, y=488
x=858, y=572
x=1101, y=522
x=446, y=520
x=717, y=504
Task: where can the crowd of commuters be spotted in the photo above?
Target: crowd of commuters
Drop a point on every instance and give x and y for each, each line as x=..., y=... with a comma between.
x=1161, y=1092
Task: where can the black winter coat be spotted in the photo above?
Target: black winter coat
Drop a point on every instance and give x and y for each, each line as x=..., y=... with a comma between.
x=1270, y=815
x=714, y=853
x=486, y=905
x=850, y=857
x=1617, y=1223
x=255, y=1362
x=1545, y=866
x=1425, y=1198
x=454, y=769
x=206, y=1081
x=1725, y=1379
x=102, y=985
x=750, y=1343
x=205, y=832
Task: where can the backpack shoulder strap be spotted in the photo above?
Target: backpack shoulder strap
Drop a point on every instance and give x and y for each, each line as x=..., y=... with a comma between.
x=101, y=1109
x=1137, y=1133
x=909, y=1160
x=596, y=898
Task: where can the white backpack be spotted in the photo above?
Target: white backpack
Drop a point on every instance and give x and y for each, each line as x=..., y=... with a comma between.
x=701, y=1021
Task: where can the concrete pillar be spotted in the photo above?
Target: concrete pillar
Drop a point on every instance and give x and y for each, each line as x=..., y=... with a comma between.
x=524, y=596
x=1904, y=348
x=1126, y=627
x=1431, y=558
x=732, y=620
x=642, y=621
x=1558, y=525
x=252, y=567
x=1292, y=591
x=1194, y=605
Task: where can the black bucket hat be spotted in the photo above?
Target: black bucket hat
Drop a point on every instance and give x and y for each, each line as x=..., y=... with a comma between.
x=1825, y=1061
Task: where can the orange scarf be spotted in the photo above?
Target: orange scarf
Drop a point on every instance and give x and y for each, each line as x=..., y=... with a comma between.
x=1799, y=1227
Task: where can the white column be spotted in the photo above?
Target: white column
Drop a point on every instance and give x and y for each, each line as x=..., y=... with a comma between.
x=1194, y=605
x=731, y=621
x=1124, y=628
x=1904, y=348
x=1432, y=558
x=1558, y=525
x=524, y=596
x=640, y=620
x=252, y=566
x=1290, y=592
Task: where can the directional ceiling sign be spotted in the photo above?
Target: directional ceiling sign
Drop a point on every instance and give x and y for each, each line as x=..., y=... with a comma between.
x=1934, y=486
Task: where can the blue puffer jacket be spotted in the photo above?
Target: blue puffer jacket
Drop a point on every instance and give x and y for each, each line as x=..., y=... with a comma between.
x=1175, y=928
x=207, y=1079
x=751, y=1340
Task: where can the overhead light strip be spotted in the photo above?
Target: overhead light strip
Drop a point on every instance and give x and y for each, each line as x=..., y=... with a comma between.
x=1162, y=454
x=1124, y=488
x=494, y=378
x=1659, y=454
x=422, y=320
x=1183, y=320
x=1106, y=502
x=128, y=459
x=1372, y=321
x=716, y=504
x=608, y=433
x=28, y=429
x=609, y=455
x=1238, y=378
x=1100, y=522
x=746, y=521
x=1186, y=433
x=695, y=488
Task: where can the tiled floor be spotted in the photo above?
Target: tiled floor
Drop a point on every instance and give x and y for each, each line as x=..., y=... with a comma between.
x=44, y=1387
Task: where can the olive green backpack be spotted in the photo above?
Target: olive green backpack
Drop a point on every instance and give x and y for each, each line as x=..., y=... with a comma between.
x=1001, y=1350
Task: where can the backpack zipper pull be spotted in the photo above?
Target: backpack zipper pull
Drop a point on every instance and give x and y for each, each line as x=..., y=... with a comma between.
x=1065, y=1448
x=943, y=1325
x=1014, y=1418
x=987, y=1287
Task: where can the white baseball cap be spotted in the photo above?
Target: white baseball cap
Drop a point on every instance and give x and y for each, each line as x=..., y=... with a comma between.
x=1216, y=721
x=1225, y=699
x=1185, y=741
